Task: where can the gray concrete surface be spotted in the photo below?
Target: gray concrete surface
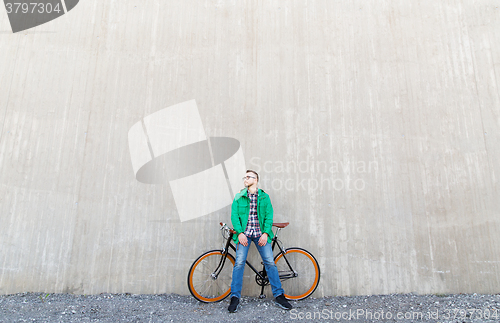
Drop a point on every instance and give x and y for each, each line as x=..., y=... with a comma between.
x=374, y=125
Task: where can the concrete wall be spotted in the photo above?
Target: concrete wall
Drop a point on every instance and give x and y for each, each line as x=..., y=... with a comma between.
x=374, y=125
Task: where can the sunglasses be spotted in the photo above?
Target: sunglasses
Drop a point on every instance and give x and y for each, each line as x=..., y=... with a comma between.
x=248, y=177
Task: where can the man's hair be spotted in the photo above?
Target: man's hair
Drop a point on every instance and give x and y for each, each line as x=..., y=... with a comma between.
x=252, y=171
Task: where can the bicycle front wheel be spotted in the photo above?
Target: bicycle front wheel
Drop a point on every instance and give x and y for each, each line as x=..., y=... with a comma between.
x=300, y=276
x=209, y=280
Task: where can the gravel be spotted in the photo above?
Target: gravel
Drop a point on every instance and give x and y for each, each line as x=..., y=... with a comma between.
x=37, y=307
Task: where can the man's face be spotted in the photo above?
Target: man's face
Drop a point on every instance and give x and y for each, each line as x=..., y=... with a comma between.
x=250, y=179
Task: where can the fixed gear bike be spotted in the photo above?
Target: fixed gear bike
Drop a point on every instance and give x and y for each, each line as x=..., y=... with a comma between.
x=210, y=275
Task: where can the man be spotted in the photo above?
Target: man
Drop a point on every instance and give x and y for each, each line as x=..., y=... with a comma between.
x=252, y=219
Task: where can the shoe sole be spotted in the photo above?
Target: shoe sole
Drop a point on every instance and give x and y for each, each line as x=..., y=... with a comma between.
x=236, y=310
x=283, y=307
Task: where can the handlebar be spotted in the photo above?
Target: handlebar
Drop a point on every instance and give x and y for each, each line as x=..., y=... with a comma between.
x=278, y=225
x=225, y=227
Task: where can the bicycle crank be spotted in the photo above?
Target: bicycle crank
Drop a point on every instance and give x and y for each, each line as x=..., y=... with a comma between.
x=262, y=281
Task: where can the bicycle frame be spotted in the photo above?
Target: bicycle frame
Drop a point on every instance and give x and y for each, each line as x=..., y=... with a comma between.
x=209, y=277
x=263, y=277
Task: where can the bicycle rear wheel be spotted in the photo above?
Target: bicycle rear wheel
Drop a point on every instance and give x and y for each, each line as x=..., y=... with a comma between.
x=302, y=279
x=203, y=282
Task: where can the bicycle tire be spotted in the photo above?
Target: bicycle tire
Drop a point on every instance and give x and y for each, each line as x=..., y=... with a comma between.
x=202, y=285
x=307, y=269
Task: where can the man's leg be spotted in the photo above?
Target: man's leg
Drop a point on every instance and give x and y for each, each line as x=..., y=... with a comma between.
x=266, y=252
x=239, y=268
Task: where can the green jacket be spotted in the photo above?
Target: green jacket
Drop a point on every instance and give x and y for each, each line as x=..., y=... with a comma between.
x=241, y=209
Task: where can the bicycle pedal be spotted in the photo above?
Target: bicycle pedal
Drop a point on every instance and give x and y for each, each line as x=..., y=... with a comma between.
x=262, y=296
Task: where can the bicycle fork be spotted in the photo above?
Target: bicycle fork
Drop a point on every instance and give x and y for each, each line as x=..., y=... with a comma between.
x=222, y=261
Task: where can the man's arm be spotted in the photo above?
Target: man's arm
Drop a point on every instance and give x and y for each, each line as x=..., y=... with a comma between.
x=268, y=220
x=235, y=218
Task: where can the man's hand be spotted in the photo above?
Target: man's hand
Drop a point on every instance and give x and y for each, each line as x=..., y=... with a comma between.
x=242, y=238
x=262, y=240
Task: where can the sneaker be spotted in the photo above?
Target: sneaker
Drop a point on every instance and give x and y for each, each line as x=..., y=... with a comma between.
x=235, y=303
x=282, y=302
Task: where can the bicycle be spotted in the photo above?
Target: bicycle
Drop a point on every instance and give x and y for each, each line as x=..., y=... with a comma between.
x=209, y=278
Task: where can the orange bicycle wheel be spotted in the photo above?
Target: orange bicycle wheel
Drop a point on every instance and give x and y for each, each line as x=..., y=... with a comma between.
x=203, y=283
x=302, y=279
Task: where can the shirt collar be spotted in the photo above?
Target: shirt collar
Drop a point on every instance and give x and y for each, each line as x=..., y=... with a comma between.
x=256, y=192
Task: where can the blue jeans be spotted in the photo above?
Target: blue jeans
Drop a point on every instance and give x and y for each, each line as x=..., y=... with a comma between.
x=266, y=254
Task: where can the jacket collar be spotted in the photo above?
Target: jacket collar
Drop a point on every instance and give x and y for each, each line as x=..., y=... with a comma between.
x=244, y=191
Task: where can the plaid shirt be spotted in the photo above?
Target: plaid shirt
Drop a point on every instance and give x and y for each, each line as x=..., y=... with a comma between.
x=253, y=227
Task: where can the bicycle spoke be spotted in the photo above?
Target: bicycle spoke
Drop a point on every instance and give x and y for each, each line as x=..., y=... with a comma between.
x=219, y=287
x=303, y=284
